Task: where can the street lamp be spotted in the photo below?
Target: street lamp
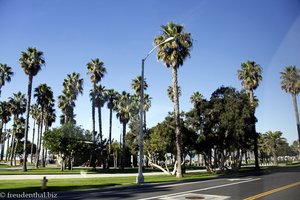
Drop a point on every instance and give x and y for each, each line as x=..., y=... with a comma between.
x=140, y=177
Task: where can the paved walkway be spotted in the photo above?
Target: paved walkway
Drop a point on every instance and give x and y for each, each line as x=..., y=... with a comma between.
x=81, y=175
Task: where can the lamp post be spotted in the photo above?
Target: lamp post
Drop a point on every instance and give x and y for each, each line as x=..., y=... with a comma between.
x=140, y=177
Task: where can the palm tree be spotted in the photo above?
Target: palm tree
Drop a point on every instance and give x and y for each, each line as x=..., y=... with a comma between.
x=34, y=112
x=170, y=92
x=196, y=98
x=100, y=100
x=44, y=98
x=5, y=115
x=136, y=85
x=5, y=75
x=31, y=62
x=173, y=55
x=96, y=71
x=112, y=96
x=123, y=107
x=66, y=104
x=147, y=105
x=290, y=83
x=72, y=86
x=272, y=140
x=17, y=107
x=250, y=75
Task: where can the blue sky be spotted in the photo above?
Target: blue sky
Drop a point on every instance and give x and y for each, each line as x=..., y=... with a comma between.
x=120, y=33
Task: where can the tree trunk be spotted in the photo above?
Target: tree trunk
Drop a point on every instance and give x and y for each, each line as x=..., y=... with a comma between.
x=100, y=134
x=12, y=147
x=145, y=125
x=6, y=157
x=30, y=77
x=32, y=143
x=177, y=119
x=109, y=138
x=40, y=144
x=15, y=152
x=92, y=156
x=297, y=120
x=123, y=147
x=254, y=131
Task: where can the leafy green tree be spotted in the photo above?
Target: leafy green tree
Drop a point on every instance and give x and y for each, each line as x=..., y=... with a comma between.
x=67, y=141
x=173, y=55
x=5, y=75
x=31, y=62
x=251, y=76
x=290, y=83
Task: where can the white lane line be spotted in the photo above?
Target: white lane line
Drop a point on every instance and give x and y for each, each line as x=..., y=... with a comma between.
x=198, y=190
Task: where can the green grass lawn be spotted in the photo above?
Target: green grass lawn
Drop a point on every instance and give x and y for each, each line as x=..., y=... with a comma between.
x=15, y=186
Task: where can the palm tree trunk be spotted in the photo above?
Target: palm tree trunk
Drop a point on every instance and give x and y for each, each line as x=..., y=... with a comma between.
x=109, y=138
x=15, y=152
x=177, y=120
x=92, y=162
x=123, y=147
x=30, y=77
x=100, y=133
x=297, y=120
x=40, y=144
x=6, y=157
x=32, y=143
x=12, y=146
x=255, y=140
x=145, y=125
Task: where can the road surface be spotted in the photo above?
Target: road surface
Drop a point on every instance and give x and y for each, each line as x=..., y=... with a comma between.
x=268, y=185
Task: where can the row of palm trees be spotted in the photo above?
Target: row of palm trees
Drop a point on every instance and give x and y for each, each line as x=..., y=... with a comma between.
x=172, y=54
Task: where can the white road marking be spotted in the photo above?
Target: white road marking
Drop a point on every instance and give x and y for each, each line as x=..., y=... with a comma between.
x=198, y=190
x=197, y=196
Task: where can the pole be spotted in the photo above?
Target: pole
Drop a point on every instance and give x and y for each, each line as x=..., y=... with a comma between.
x=140, y=177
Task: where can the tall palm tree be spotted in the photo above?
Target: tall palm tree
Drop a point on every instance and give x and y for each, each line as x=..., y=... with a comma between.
x=112, y=96
x=17, y=107
x=31, y=62
x=44, y=98
x=170, y=92
x=136, y=85
x=100, y=100
x=5, y=115
x=123, y=107
x=147, y=105
x=66, y=104
x=251, y=74
x=173, y=55
x=196, y=98
x=5, y=74
x=272, y=141
x=290, y=83
x=34, y=112
x=96, y=71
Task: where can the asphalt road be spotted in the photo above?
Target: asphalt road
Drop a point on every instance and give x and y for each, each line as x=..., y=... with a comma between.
x=283, y=184
x=268, y=185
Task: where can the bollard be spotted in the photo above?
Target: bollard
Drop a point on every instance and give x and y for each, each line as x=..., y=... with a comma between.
x=44, y=183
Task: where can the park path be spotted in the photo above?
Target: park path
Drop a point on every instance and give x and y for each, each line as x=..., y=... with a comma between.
x=81, y=175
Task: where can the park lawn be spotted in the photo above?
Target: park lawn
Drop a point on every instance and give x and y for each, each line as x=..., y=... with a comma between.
x=34, y=185
x=55, y=170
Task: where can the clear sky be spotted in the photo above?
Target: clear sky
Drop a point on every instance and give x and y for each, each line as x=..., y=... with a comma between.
x=120, y=33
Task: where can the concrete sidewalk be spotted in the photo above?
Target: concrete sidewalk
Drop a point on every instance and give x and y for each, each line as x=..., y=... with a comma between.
x=81, y=175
